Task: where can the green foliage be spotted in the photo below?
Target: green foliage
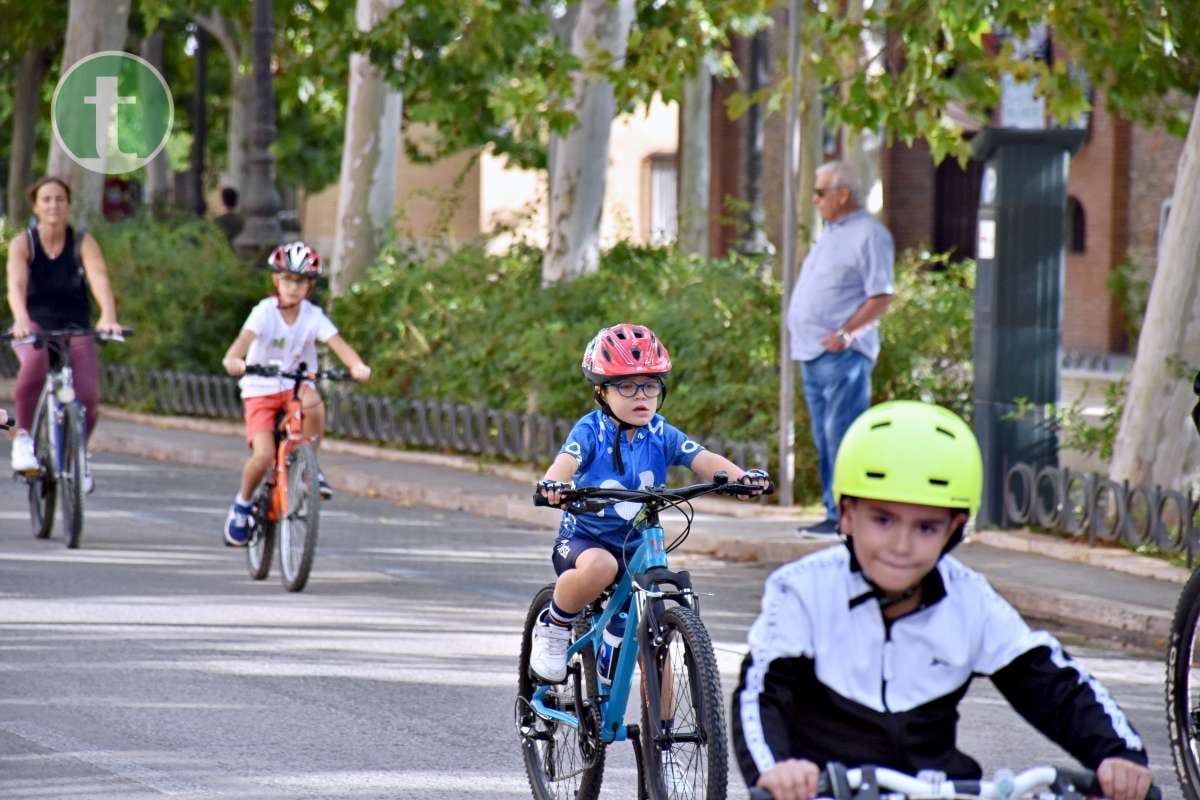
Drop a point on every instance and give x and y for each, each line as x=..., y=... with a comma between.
x=926, y=333
x=181, y=288
x=1077, y=430
x=470, y=326
x=1129, y=284
x=945, y=53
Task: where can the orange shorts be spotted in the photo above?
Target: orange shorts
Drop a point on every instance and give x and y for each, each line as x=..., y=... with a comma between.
x=260, y=412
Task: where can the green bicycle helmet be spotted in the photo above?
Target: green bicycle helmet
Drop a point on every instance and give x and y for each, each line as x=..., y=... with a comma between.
x=910, y=452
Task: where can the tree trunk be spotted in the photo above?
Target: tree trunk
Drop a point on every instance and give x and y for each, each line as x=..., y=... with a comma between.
x=198, y=202
x=26, y=111
x=754, y=238
x=695, y=153
x=261, y=199
x=564, y=28
x=1155, y=444
x=367, y=189
x=155, y=186
x=241, y=101
x=92, y=27
x=581, y=159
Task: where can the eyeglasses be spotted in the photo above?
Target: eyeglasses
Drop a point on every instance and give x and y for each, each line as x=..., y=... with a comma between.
x=630, y=388
x=822, y=192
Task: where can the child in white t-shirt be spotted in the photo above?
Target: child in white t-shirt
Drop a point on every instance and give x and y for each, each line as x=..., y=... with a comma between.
x=284, y=328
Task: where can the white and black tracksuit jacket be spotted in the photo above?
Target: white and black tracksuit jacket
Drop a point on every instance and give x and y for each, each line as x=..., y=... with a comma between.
x=827, y=679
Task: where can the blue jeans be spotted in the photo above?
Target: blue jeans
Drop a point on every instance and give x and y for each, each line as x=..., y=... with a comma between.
x=837, y=388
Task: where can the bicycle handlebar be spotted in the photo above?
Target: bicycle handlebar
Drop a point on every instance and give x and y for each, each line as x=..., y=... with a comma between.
x=60, y=333
x=591, y=499
x=300, y=374
x=1063, y=781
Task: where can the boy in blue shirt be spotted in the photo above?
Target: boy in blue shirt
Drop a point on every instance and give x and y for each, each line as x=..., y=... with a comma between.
x=624, y=444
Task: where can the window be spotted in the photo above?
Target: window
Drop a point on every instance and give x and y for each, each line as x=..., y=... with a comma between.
x=1076, y=226
x=663, y=198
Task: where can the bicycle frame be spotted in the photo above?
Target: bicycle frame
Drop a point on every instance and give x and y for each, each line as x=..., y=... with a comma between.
x=650, y=554
x=289, y=435
x=57, y=392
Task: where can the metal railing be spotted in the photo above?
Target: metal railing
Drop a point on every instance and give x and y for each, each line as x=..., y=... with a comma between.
x=1091, y=505
x=418, y=424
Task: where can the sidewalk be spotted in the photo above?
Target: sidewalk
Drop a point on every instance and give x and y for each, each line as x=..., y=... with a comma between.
x=1104, y=592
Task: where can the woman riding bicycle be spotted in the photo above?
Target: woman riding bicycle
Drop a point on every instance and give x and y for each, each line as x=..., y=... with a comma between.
x=625, y=443
x=50, y=267
x=862, y=653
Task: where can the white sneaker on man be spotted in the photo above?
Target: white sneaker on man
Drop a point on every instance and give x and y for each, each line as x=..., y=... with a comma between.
x=548, y=655
x=23, y=459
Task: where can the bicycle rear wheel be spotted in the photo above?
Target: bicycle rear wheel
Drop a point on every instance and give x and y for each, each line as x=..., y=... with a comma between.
x=42, y=487
x=1183, y=688
x=261, y=545
x=683, y=723
x=70, y=492
x=561, y=762
x=301, y=519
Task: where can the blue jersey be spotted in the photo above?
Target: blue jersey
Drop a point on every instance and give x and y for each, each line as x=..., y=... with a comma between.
x=655, y=447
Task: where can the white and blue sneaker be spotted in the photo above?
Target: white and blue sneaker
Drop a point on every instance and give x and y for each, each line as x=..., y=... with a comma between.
x=237, y=525
x=323, y=487
x=548, y=653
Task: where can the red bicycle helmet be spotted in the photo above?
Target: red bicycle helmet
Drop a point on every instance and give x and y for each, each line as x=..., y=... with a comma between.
x=296, y=258
x=623, y=350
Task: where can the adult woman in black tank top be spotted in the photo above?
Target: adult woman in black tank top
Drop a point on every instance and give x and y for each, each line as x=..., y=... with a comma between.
x=48, y=278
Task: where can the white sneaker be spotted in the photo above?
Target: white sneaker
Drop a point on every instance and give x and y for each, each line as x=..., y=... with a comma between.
x=88, y=483
x=548, y=656
x=23, y=459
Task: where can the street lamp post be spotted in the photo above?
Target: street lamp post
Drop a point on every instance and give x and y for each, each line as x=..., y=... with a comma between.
x=261, y=198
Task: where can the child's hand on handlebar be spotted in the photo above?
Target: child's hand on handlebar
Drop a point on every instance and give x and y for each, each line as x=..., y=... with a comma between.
x=360, y=372
x=754, y=477
x=794, y=779
x=552, y=490
x=111, y=327
x=234, y=366
x=1122, y=779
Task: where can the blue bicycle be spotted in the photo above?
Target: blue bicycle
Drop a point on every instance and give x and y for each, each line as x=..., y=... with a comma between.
x=59, y=439
x=565, y=728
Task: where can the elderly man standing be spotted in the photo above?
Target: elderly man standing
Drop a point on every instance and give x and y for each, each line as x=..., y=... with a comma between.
x=845, y=285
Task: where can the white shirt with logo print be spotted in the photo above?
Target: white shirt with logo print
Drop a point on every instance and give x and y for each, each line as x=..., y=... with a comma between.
x=277, y=341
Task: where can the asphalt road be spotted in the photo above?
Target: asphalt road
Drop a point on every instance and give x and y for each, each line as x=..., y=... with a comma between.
x=147, y=664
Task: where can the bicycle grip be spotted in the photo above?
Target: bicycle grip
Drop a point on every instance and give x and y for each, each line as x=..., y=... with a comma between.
x=539, y=499
x=1088, y=783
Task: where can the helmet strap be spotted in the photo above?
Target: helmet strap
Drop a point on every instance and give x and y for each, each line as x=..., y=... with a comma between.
x=622, y=426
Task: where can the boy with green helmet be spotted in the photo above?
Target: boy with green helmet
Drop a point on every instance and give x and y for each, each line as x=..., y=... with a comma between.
x=862, y=653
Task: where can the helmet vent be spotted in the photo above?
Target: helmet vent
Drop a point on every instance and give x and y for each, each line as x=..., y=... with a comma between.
x=884, y=424
x=877, y=475
x=607, y=355
x=939, y=481
x=940, y=429
x=637, y=354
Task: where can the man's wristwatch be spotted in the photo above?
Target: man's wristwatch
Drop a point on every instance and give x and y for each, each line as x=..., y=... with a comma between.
x=844, y=336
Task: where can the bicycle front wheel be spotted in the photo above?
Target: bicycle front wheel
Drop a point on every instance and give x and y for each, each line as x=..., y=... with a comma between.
x=42, y=487
x=561, y=762
x=1183, y=688
x=683, y=722
x=261, y=546
x=71, y=488
x=298, y=527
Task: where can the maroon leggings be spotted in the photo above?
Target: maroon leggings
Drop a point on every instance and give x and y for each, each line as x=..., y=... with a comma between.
x=35, y=363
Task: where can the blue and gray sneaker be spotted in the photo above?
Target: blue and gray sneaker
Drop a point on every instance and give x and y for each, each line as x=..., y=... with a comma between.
x=323, y=487
x=237, y=524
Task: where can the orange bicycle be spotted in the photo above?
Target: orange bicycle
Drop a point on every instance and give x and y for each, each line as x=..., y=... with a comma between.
x=287, y=505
